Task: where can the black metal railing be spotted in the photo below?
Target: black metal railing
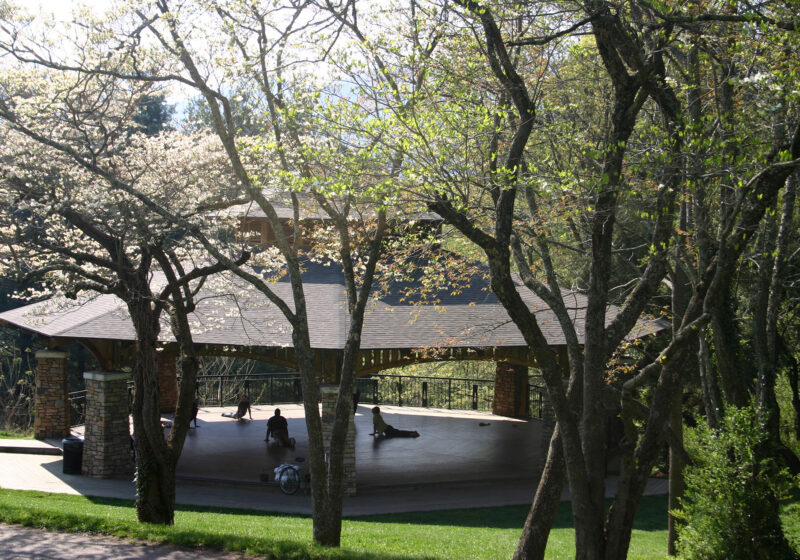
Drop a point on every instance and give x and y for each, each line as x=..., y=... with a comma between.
x=537, y=401
x=427, y=392
x=262, y=388
x=396, y=390
x=77, y=408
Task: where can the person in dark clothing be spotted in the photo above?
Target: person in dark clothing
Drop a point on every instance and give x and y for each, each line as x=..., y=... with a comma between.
x=278, y=427
x=193, y=417
x=381, y=428
x=244, y=407
x=241, y=410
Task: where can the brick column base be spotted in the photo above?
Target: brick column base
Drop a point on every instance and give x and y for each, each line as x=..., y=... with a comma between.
x=107, y=440
x=329, y=395
x=51, y=400
x=166, y=366
x=510, y=390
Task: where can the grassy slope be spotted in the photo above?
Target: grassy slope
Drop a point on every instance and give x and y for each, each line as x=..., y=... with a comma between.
x=484, y=533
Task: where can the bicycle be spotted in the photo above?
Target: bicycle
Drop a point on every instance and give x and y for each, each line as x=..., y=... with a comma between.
x=289, y=477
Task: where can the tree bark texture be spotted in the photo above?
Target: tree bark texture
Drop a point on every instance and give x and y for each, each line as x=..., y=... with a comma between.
x=536, y=531
x=676, y=466
x=712, y=399
x=155, y=469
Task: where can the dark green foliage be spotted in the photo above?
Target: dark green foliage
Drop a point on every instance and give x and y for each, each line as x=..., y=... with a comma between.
x=732, y=492
x=248, y=115
x=154, y=114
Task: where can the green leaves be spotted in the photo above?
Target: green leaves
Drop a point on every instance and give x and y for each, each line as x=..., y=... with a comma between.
x=730, y=509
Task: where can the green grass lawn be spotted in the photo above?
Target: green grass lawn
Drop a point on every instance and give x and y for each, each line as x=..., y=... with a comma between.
x=5, y=434
x=482, y=533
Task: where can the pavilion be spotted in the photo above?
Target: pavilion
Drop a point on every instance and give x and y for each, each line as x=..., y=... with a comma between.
x=460, y=321
x=467, y=323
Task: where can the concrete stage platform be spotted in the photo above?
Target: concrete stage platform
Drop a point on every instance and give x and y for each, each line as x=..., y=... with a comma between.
x=454, y=446
x=455, y=463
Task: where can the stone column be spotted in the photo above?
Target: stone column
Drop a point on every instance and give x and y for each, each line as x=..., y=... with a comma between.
x=51, y=400
x=166, y=366
x=510, y=390
x=329, y=395
x=107, y=440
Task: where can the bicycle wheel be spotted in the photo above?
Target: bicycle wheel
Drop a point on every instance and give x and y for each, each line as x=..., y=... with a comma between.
x=289, y=480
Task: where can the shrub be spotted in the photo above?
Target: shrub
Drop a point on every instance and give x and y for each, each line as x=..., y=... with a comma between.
x=730, y=510
x=16, y=386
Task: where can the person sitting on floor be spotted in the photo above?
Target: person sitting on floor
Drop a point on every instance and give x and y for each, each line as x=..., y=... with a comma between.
x=193, y=417
x=243, y=408
x=279, y=428
x=386, y=430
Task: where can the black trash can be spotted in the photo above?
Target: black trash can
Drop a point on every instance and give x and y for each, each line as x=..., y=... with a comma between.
x=73, y=455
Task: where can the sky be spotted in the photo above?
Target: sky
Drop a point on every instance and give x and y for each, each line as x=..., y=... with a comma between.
x=62, y=9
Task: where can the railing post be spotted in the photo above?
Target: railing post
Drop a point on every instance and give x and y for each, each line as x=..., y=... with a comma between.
x=541, y=399
x=298, y=390
x=474, y=397
x=449, y=394
x=399, y=394
x=425, y=394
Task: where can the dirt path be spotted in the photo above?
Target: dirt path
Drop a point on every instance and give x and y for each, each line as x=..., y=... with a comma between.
x=18, y=543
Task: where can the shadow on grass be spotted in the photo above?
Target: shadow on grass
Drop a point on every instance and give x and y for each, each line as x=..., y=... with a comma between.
x=650, y=516
x=68, y=513
x=199, y=509
x=41, y=510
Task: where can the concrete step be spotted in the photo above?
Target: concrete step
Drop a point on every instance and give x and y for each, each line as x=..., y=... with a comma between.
x=30, y=446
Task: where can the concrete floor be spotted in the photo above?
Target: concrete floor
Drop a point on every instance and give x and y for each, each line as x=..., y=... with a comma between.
x=455, y=463
x=453, y=447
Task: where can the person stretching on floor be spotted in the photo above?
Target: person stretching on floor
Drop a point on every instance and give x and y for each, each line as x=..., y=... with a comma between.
x=244, y=408
x=383, y=429
x=279, y=428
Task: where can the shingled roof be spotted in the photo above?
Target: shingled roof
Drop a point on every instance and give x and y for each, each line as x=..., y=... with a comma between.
x=308, y=209
x=466, y=314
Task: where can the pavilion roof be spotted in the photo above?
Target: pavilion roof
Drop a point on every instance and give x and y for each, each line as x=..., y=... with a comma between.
x=309, y=209
x=464, y=313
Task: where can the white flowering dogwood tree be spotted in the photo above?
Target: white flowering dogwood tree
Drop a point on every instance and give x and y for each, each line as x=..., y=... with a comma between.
x=310, y=146
x=79, y=185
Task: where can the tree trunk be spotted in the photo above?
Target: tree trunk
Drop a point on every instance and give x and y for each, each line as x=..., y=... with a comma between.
x=155, y=468
x=316, y=446
x=794, y=377
x=681, y=294
x=536, y=531
x=676, y=466
x=155, y=486
x=770, y=293
x=731, y=363
x=326, y=512
x=636, y=467
x=332, y=508
x=712, y=400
